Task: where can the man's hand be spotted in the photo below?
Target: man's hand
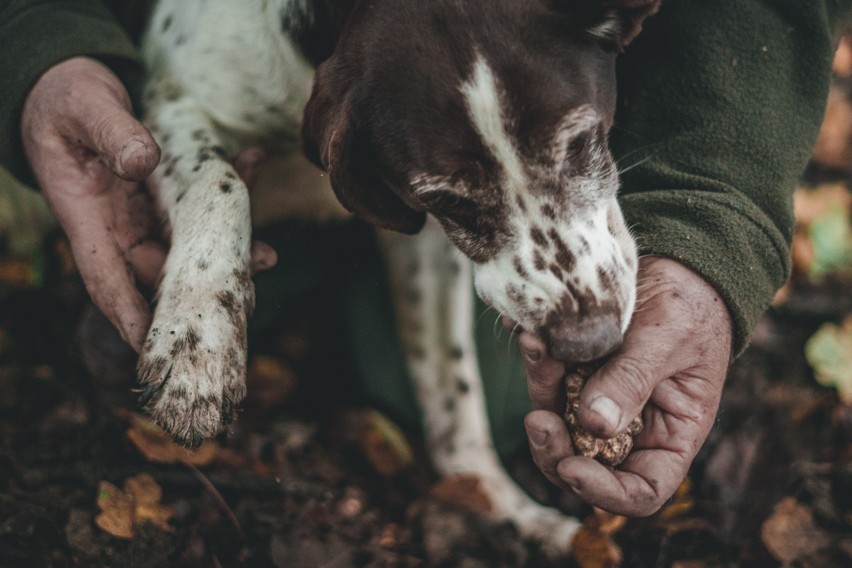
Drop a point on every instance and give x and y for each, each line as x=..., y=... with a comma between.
x=86, y=150
x=88, y=153
x=671, y=368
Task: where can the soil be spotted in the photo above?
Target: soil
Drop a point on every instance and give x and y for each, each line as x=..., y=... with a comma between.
x=309, y=477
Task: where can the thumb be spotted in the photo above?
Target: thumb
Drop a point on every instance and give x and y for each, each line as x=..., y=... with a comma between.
x=101, y=115
x=617, y=393
x=122, y=142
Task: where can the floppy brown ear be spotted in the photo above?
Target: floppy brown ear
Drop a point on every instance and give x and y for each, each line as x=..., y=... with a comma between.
x=615, y=23
x=332, y=140
x=632, y=14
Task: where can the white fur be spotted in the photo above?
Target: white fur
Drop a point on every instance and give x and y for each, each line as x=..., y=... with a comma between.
x=482, y=94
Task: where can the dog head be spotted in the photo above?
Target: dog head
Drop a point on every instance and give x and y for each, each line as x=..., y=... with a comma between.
x=492, y=117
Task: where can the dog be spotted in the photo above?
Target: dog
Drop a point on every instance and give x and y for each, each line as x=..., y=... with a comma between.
x=472, y=133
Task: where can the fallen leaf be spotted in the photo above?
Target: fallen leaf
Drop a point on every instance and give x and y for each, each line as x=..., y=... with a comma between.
x=19, y=272
x=116, y=517
x=146, y=499
x=829, y=352
x=593, y=546
x=593, y=549
x=157, y=446
x=790, y=533
x=822, y=243
x=381, y=441
x=680, y=504
x=462, y=491
x=123, y=510
x=270, y=381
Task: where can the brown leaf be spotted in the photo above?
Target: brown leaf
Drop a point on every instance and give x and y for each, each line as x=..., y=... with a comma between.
x=680, y=504
x=270, y=381
x=116, y=517
x=381, y=441
x=158, y=447
x=790, y=533
x=593, y=546
x=123, y=510
x=593, y=549
x=146, y=496
x=462, y=491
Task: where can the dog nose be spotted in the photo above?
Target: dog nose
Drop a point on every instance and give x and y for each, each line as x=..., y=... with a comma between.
x=591, y=340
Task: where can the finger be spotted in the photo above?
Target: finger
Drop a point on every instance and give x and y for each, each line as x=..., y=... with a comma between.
x=639, y=488
x=545, y=375
x=122, y=142
x=147, y=259
x=249, y=164
x=110, y=283
x=263, y=257
x=616, y=393
x=549, y=442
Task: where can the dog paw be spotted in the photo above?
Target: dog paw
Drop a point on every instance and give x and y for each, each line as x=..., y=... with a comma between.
x=193, y=364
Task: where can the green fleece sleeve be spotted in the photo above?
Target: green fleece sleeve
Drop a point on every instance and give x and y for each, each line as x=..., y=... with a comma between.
x=34, y=36
x=720, y=104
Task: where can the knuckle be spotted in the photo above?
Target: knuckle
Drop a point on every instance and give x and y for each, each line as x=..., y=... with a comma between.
x=634, y=377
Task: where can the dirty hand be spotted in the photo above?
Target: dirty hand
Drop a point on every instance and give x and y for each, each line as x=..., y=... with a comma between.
x=671, y=368
x=88, y=153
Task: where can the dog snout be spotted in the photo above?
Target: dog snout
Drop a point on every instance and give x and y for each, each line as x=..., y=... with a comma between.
x=591, y=340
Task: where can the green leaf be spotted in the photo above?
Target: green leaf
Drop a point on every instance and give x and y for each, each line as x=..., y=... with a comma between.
x=829, y=352
x=831, y=237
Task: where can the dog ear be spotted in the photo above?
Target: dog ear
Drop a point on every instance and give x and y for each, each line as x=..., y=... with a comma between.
x=631, y=14
x=332, y=140
x=614, y=23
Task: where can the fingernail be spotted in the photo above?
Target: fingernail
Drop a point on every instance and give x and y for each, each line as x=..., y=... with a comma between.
x=533, y=356
x=606, y=409
x=537, y=437
x=130, y=149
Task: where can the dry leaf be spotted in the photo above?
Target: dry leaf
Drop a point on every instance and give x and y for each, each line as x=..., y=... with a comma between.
x=790, y=533
x=116, y=517
x=593, y=549
x=680, y=504
x=19, y=273
x=593, y=546
x=146, y=499
x=381, y=441
x=123, y=510
x=270, y=381
x=158, y=447
x=462, y=491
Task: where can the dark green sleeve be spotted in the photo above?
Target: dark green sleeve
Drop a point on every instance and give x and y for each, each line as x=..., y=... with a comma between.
x=719, y=107
x=35, y=35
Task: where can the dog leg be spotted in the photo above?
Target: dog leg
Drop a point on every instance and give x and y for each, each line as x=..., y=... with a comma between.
x=192, y=367
x=432, y=286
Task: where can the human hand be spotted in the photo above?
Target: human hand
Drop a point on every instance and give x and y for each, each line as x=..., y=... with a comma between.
x=88, y=153
x=671, y=368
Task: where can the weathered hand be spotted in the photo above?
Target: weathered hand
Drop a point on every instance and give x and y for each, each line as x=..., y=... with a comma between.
x=86, y=149
x=671, y=367
x=88, y=153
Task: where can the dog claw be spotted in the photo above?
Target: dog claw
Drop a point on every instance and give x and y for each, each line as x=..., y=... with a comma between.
x=227, y=412
x=147, y=395
x=192, y=442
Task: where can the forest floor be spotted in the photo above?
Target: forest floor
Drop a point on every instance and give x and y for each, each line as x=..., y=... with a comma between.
x=315, y=481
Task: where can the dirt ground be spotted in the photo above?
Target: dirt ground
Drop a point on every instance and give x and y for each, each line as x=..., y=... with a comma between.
x=85, y=481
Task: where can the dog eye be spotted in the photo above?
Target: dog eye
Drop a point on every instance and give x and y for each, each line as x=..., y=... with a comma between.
x=576, y=147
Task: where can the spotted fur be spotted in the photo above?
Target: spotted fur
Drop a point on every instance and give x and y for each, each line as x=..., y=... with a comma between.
x=501, y=142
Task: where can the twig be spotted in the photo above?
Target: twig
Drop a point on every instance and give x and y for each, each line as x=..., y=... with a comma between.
x=219, y=499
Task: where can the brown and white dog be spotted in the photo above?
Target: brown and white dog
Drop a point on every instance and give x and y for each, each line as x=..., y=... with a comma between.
x=489, y=117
